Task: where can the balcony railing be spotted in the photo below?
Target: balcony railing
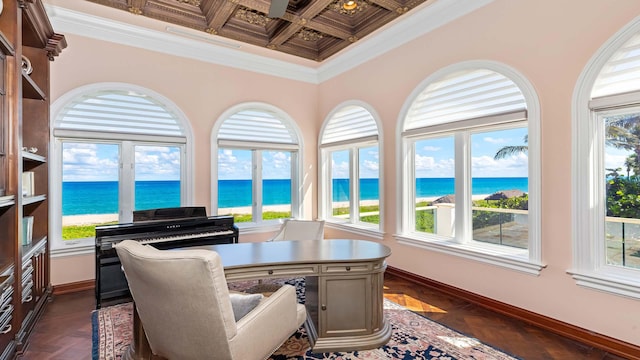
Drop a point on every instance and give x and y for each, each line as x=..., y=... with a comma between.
x=622, y=240
x=507, y=227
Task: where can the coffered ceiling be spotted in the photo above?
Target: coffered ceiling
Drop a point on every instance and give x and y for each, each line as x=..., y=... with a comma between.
x=311, y=29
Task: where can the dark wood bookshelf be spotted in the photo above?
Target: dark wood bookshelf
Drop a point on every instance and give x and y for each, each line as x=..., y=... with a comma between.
x=26, y=36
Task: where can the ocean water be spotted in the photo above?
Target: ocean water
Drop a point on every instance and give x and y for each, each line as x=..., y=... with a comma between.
x=101, y=197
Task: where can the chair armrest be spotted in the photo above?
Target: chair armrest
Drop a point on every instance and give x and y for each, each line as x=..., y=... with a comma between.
x=267, y=326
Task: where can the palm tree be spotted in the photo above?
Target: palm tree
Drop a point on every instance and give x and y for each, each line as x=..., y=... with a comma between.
x=509, y=150
x=622, y=132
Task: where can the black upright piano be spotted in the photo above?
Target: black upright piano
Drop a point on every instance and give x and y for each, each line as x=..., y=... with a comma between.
x=161, y=228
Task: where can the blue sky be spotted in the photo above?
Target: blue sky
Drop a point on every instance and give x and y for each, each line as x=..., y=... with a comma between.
x=434, y=158
x=236, y=164
x=99, y=162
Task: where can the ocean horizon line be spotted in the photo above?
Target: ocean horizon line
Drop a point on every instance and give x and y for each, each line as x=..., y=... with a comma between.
x=90, y=197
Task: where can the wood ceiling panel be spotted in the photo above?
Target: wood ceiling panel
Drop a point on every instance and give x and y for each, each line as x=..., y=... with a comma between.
x=312, y=29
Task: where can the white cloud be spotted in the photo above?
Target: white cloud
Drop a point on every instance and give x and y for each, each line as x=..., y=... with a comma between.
x=340, y=170
x=487, y=166
x=492, y=140
x=157, y=163
x=276, y=165
x=428, y=166
x=614, y=161
x=82, y=162
x=369, y=169
x=234, y=165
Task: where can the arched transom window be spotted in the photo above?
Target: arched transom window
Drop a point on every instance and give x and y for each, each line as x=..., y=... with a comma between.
x=607, y=168
x=468, y=182
x=256, y=168
x=116, y=148
x=350, y=168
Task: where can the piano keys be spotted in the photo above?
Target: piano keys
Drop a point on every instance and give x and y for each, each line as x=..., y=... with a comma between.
x=111, y=285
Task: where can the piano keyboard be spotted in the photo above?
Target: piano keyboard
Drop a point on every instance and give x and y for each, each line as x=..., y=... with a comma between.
x=184, y=237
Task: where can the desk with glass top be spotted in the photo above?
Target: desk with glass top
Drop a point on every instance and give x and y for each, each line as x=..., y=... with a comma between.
x=344, y=288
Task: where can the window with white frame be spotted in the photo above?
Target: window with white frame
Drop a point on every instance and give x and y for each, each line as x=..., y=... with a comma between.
x=256, y=165
x=607, y=163
x=116, y=148
x=469, y=168
x=350, y=162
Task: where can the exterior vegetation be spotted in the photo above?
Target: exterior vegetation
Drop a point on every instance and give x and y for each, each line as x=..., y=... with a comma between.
x=72, y=232
x=623, y=192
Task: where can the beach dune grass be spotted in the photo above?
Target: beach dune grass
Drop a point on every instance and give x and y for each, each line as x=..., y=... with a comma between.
x=71, y=232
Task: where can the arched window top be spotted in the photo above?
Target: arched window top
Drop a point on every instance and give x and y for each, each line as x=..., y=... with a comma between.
x=463, y=95
x=621, y=73
x=351, y=122
x=119, y=111
x=256, y=125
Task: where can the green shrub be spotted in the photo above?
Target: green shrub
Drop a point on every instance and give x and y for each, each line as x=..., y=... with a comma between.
x=425, y=221
x=623, y=197
x=72, y=232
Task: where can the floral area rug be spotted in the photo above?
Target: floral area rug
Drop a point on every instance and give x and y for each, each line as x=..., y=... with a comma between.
x=413, y=337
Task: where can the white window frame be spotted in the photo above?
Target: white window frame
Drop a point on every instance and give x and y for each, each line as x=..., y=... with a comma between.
x=325, y=190
x=258, y=224
x=126, y=142
x=589, y=206
x=526, y=261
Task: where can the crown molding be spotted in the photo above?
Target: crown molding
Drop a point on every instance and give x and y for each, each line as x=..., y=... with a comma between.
x=190, y=44
x=221, y=52
x=428, y=17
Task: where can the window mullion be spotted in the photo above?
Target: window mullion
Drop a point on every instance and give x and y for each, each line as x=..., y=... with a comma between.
x=127, y=183
x=409, y=188
x=462, y=187
x=296, y=211
x=256, y=177
x=354, y=185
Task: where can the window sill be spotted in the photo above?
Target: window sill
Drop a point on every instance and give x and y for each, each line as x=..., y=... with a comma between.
x=358, y=229
x=75, y=249
x=256, y=228
x=502, y=256
x=617, y=284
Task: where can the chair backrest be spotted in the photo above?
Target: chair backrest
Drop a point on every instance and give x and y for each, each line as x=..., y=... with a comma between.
x=182, y=299
x=301, y=230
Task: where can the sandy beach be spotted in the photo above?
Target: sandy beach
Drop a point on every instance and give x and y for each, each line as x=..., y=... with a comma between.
x=106, y=218
x=93, y=219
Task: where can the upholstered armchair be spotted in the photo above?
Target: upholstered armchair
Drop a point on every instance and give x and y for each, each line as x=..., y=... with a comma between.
x=186, y=309
x=300, y=230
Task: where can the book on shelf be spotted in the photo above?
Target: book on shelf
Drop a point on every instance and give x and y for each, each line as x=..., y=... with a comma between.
x=28, y=187
x=27, y=230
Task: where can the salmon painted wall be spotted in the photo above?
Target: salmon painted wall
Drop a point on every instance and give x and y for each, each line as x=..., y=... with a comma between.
x=549, y=42
x=202, y=91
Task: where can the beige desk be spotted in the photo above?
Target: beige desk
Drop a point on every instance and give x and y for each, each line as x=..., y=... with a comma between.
x=344, y=288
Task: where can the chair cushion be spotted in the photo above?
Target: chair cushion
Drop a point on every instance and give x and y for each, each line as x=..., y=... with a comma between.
x=243, y=303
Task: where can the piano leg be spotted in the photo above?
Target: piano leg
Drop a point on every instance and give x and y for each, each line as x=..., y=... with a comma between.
x=139, y=348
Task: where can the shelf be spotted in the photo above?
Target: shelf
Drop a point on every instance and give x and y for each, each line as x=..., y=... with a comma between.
x=6, y=201
x=30, y=89
x=27, y=156
x=6, y=268
x=5, y=45
x=27, y=200
x=29, y=250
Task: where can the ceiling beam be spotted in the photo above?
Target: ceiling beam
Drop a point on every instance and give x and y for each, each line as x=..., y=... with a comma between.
x=216, y=18
x=329, y=30
x=313, y=9
x=388, y=4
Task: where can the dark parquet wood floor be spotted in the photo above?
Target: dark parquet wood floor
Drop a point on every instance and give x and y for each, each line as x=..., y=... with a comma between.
x=64, y=331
